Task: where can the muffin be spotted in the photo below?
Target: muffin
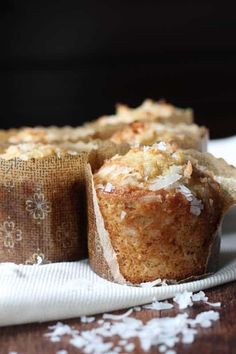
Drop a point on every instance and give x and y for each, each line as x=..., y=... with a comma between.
x=149, y=110
x=47, y=135
x=42, y=218
x=158, y=111
x=67, y=139
x=29, y=151
x=185, y=136
x=97, y=150
x=155, y=213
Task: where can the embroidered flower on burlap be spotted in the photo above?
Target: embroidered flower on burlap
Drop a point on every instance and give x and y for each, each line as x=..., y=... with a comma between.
x=37, y=258
x=65, y=235
x=38, y=207
x=9, y=185
x=9, y=233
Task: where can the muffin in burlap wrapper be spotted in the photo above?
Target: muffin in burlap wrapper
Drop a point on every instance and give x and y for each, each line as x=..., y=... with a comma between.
x=97, y=150
x=67, y=138
x=105, y=150
x=108, y=257
x=149, y=111
x=46, y=135
x=184, y=136
x=42, y=216
x=43, y=202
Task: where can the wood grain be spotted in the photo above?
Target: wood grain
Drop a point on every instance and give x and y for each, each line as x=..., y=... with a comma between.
x=220, y=339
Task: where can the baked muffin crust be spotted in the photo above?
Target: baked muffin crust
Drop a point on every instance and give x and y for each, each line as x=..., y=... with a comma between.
x=161, y=214
x=186, y=136
x=149, y=110
x=47, y=135
x=33, y=151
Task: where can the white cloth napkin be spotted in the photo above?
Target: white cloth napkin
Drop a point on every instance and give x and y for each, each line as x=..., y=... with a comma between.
x=66, y=290
x=225, y=148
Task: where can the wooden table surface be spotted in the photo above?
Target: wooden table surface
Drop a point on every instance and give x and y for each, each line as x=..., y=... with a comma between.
x=219, y=339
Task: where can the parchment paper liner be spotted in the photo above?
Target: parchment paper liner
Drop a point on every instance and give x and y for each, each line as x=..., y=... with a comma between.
x=102, y=256
x=42, y=216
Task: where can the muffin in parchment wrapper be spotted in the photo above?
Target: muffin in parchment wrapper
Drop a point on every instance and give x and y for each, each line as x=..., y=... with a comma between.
x=157, y=214
x=42, y=216
x=148, y=111
x=182, y=135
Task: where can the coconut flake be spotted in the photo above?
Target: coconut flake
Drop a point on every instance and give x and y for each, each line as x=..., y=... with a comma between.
x=205, y=319
x=159, y=305
x=214, y=304
x=172, y=176
x=170, y=351
x=108, y=316
x=123, y=342
x=200, y=297
x=196, y=205
x=186, y=192
x=160, y=146
x=129, y=347
x=146, y=148
x=85, y=319
x=151, y=284
x=109, y=187
x=123, y=215
x=184, y=299
x=137, y=308
x=162, y=348
x=59, y=330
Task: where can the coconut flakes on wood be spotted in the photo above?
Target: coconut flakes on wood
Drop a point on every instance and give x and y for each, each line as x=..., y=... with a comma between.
x=164, y=332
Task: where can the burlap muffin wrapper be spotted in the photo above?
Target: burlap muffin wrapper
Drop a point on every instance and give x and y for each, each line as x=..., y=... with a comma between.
x=102, y=256
x=105, y=150
x=42, y=217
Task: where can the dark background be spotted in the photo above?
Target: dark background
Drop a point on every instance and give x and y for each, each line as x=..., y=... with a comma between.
x=64, y=62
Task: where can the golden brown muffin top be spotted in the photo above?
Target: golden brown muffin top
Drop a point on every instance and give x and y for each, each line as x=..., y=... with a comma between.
x=156, y=169
x=148, y=110
x=49, y=134
x=33, y=151
x=142, y=166
x=147, y=133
